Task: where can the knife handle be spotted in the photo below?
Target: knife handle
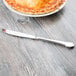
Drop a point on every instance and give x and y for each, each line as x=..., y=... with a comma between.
x=66, y=44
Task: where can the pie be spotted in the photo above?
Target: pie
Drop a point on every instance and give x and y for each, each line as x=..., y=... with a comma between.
x=35, y=6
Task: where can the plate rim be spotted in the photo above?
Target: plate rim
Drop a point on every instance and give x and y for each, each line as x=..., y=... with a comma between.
x=30, y=15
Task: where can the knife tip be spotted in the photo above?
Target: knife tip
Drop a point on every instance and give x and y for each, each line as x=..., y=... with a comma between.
x=3, y=30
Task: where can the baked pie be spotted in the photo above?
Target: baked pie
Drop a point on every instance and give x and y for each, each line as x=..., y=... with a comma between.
x=35, y=6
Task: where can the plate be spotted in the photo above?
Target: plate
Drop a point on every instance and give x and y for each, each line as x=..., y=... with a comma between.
x=29, y=15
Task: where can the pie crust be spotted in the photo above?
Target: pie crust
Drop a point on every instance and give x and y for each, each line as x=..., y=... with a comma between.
x=38, y=7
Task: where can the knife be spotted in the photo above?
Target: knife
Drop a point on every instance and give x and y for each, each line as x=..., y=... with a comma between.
x=23, y=35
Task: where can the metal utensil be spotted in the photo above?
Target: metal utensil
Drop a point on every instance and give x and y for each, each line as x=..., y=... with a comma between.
x=23, y=35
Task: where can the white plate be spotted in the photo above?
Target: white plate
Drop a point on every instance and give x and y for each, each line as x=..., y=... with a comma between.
x=29, y=15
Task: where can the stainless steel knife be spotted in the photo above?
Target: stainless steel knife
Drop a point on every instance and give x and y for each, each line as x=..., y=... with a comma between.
x=23, y=35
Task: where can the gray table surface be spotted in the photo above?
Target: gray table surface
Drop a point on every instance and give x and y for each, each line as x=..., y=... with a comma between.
x=25, y=57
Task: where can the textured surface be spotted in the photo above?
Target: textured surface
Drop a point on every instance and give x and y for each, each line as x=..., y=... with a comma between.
x=24, y=57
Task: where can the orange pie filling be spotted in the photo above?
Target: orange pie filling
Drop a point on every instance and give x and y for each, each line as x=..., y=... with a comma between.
x=35, y=6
